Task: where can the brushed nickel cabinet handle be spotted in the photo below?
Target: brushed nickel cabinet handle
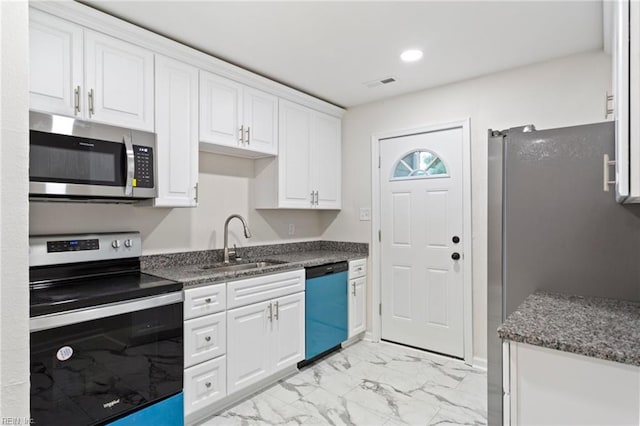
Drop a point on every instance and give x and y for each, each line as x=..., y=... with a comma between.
x=241, y=137
x=277, y=314
x=76, y=100
x=208, y=338
x=248, y=135
x=270, y=316
x=91, y=110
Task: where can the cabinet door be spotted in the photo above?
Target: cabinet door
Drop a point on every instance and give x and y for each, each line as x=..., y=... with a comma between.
x=294, y=188
x=357, y=307
x=620, y=82
x=55, y=67
x=220, y=110
x=261, y=121
x=119, y=82
x=176, y=108
x=288, y=331
x=326, y=164
x=249, y=339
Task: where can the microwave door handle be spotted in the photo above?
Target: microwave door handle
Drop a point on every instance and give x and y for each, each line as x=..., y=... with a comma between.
x=128, y=187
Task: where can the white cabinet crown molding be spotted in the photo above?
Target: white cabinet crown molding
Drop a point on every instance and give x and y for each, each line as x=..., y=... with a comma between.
x=102, y=22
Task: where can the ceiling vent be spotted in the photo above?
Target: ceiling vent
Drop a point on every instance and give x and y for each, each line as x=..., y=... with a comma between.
x=380, y=82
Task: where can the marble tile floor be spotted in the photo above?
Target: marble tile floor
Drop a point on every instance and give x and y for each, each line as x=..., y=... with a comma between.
x=369, y=384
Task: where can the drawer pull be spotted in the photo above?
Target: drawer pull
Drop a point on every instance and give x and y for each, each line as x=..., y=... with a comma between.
x=208, y=338
x=207, y=300
x=208, y=384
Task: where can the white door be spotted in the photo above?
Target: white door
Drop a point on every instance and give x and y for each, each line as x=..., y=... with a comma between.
x=288, y=330
x=119, y=82
x=248, y=345
x=177, y=133
x=220, y=110
x=55, y=67
x=326, y=164
x=261, y=121
x=421, y=220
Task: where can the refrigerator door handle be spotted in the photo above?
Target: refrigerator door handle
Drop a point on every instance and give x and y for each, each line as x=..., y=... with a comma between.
x=605, y=173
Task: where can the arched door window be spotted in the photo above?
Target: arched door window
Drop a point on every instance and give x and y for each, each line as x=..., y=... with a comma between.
x=419, y=164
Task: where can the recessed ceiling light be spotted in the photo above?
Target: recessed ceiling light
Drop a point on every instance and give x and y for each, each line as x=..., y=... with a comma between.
x=411, y=55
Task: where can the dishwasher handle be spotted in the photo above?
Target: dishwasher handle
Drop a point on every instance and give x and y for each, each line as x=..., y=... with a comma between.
x=326, y=269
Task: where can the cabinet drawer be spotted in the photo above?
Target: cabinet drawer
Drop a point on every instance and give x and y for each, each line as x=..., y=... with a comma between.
x=204, y=384
x=258, y=289
x=204, y=300
x=204, y=338
x=357, y=268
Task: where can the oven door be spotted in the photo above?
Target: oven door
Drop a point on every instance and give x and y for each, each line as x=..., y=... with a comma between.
x=90, y=366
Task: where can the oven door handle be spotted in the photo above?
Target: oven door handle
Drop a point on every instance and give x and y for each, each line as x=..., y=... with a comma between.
x=45, y=322
x=131, y=164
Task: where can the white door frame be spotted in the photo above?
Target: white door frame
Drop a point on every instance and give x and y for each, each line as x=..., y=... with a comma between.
x=376, y=283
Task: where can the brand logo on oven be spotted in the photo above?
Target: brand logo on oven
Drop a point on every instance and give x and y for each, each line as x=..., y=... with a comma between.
x=111, y=403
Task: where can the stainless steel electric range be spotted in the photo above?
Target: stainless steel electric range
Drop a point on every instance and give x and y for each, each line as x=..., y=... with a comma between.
x=106, y=339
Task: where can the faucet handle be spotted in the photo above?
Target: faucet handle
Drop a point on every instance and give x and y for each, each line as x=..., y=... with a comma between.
x=233, y=254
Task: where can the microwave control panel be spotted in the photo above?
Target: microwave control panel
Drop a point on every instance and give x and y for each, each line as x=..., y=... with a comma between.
x=143, y=174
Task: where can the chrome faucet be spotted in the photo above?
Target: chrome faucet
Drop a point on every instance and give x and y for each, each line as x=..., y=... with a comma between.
x=247, y=234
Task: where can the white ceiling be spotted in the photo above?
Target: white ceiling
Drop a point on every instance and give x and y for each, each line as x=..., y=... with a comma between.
x=329, y=49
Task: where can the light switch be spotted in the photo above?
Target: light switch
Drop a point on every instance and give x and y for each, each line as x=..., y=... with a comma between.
x=365, y=214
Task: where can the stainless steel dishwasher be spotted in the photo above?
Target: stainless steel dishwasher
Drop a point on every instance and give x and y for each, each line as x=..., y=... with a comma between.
x=326, y=309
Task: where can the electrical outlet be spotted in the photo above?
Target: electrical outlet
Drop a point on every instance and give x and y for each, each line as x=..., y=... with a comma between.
x=365, y=214
x=292, y=229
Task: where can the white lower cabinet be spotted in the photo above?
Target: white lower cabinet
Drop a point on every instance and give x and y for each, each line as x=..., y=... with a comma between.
x=264, y=338
x=238, y=334
x=205, y=346
x=357, y=297
x=549, y=387
x=205, y=384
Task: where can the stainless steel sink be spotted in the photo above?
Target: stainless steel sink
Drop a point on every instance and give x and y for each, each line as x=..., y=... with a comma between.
x=222, y=267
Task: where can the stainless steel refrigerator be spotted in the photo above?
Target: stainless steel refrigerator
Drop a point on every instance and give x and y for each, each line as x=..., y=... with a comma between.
x=552, y=227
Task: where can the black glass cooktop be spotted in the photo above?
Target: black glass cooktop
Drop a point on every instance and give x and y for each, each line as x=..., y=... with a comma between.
x=47, y=298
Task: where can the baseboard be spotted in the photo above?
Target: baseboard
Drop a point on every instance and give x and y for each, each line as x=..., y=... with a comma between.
x=480, y=363
x=368, y=336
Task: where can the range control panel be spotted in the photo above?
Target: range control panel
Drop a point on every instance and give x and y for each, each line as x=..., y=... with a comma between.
x=73, y=245
x=72, y=248
x=143, y=173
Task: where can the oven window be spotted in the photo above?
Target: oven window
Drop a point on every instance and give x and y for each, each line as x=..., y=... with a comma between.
x=70, y=159
x=87, y=373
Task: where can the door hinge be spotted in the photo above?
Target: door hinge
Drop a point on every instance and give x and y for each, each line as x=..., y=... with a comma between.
x=380, y=309
x=379, y=235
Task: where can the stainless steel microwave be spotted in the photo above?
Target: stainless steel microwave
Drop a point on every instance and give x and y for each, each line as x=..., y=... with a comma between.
x=71, y=159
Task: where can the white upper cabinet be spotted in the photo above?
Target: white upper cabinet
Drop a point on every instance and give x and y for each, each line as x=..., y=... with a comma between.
x=236, y=119
x=307, y=172
x=89, y=75
x=625, y=52
x=55, y=64
x=326, y=163
x=119, y=82
x=176, y=108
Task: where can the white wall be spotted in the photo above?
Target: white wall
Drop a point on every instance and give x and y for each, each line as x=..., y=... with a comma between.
x=14, y=177
x=559, y=93
x=225, y=187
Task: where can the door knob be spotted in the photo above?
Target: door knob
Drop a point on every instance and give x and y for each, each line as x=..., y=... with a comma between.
x=455, y=239
x=455, y=256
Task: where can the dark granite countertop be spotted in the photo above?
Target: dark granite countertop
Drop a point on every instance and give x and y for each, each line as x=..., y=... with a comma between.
x=592, y=326
x=187, y=267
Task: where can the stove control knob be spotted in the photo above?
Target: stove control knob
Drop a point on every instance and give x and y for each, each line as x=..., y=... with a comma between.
x=115, y=244
x=128, y=243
